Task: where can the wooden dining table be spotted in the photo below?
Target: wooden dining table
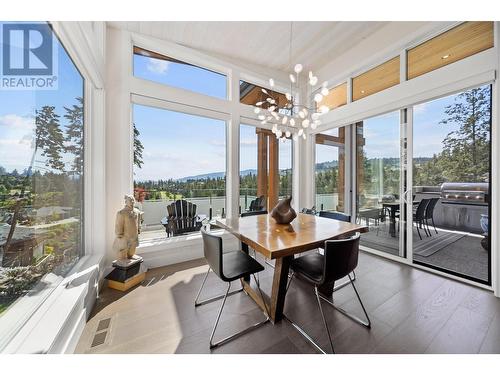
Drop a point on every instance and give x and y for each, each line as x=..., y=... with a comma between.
x=281, y=242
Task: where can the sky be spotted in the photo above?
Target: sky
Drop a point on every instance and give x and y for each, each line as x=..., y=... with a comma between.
x=17, y=112
x=177, y=145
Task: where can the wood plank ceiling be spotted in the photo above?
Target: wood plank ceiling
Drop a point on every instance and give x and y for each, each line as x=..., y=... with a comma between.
x=262, y=43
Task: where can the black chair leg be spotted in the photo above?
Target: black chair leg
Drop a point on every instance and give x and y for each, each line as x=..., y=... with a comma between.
x=418, y=231
x=434, y=225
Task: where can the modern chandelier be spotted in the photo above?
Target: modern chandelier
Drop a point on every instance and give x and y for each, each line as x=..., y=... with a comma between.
x=292, y=118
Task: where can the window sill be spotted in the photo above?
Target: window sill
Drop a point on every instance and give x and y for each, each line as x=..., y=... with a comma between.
x=161, y=252
x=56, y=324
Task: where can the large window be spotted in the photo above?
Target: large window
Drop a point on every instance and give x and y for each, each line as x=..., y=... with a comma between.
x=168, y=71
x=330, y=170
x=265, y=168
x=41, y=186
x=378, y=181
x=178, y=158
x=451, y=173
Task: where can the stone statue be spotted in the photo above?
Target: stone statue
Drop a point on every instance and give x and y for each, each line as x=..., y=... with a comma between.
x=283, y=212
x=127, y=229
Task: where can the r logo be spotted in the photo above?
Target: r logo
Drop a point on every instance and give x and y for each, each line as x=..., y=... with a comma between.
x=27, y=50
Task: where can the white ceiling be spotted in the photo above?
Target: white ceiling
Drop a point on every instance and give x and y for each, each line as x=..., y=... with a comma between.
x=263, y=43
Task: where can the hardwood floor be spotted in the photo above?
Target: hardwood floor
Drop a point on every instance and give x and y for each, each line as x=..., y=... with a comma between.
x=412, y=311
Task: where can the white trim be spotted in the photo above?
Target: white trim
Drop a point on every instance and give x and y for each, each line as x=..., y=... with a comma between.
x=473, y=71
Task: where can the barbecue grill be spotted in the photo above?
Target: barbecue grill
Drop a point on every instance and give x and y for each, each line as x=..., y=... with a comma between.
x=469, y=193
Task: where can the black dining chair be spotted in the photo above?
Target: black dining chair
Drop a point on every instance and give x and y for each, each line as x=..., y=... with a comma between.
x=419, y=217
x=339, y=260
x=228, y=267
x=342, y=217
x=429, y=213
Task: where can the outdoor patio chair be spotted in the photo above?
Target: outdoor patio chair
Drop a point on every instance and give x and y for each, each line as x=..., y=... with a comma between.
x=182, y=218
x=258, y=204
x=429, y=213
x=419, y=217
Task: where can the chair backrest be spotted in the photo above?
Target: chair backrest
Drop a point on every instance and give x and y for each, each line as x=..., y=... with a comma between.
x=257, y=204
x=212, y=250
x=253, y=213
x=335, y=215
x=429, y=211
x=309, y=211
x=341, y=258
x=420, y=214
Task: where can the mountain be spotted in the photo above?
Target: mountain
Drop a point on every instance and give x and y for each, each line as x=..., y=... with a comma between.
x=213, y=175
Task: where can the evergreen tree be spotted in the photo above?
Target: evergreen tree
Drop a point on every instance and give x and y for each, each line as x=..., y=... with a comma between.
x=74, y=134
x=138, y=148
x=49, y=137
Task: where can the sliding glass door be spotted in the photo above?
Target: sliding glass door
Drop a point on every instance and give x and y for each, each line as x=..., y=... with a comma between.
x=378, y=182
x=451, y=183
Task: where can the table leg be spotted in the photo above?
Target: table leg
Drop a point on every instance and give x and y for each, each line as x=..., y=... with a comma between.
x=280, y=281
x=244, y=248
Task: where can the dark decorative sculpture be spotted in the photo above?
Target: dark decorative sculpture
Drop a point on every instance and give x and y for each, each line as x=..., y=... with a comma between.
x=283, y=213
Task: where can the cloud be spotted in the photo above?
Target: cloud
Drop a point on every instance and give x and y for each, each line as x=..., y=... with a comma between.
x=16, y=121
x=157, y=66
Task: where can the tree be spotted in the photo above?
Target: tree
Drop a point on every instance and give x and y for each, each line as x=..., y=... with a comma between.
x=138, y=148
x=49, y=137
x=465, y=155
x=74, y=134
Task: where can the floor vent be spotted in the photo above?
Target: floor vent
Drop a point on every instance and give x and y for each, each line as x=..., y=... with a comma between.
x=99, y=339
x=103, y=324
x=101, y=332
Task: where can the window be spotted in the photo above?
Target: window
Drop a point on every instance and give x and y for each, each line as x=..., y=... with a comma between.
x=330, y=170
x=458, y=43
x=251, y=94
x=377, y=79
x=378, y=159
x=265, y=168
x=178, y=157
x=41, y=189
x=337, y=97
x=168, y=71
x=451, y=163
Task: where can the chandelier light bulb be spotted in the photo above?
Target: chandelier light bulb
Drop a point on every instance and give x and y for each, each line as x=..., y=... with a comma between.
x=292, y=122
x=264, y=91
x=279, y=133
x=295, y=137
x=305, y=123
x=303, y=136
x=261, y=117
x=298, y=68
x=271, y=82
x=288, y=96
x=256, y=110
x=313, y=81
x=318, y=98
x=263, y=122
x=288, y=133
x=302, y=115
x=325, y=91
x=284, y=120
x=324, y=109
x=292, y=78
x=300, y=132
x=325, y=84
x=259, y=103
x=272, y=108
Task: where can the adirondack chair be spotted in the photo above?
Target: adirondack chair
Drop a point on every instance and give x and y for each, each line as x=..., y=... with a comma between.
x=182, y=218
x=257, y=204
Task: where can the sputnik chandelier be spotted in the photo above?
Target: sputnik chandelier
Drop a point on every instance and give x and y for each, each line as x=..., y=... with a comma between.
x=289, y=117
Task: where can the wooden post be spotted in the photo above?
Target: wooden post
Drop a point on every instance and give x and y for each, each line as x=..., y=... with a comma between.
x=273, y=173
x=341, y=171
x=261, y=163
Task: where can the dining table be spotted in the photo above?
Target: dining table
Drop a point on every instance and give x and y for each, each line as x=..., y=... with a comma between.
x=281, y=242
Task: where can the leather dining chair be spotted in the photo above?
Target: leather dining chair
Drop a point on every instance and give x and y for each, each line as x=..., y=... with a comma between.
x=339, y=260
x=228, y=267
x=254, y=213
